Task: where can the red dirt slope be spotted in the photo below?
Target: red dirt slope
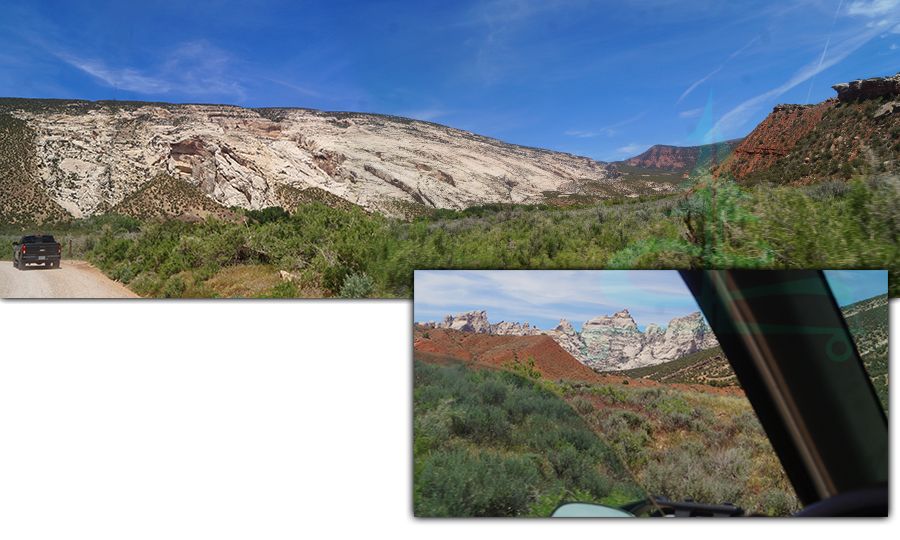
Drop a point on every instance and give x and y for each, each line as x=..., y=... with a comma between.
x=437, y=345
x=445, y=346
x=775, y=136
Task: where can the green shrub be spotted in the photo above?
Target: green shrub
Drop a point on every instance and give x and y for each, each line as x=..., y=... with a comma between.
x=577, y=472
x=775, y=502
x=174, y=287
x=284, y=289
x=357, y=286
x=458, y=483
x=704, y=474
x=584, y=406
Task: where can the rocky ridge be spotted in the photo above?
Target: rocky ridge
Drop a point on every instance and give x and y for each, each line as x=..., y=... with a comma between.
x=606, y=343
x=89, y=156
x=868, y=88
x=857, y=132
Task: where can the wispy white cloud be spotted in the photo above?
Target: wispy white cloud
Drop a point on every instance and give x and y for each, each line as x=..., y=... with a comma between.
x=693, y=113
x=733, y=119
x=194, y=68
x=297, y=88
x=874, y=8
x=827, y=41
x=698, y=83
x=631, y=149
x=124, y=78
x=609, y=131
x=425, y=114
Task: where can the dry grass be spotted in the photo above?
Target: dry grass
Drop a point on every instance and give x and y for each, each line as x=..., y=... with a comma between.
x=248, y=281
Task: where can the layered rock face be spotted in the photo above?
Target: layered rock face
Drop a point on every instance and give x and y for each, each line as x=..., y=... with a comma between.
x=90, y=156
x=868, y=88
x=607, y=343
x=824, y=136
x=775, y=136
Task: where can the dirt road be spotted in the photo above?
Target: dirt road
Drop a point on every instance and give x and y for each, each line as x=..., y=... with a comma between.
x=73, y=279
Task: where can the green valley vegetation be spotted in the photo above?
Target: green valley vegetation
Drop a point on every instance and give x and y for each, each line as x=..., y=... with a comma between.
x=493, y=443
x=709, y=367
x=831, y=225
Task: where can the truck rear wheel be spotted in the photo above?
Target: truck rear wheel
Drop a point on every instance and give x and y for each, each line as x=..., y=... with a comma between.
x=22, y=265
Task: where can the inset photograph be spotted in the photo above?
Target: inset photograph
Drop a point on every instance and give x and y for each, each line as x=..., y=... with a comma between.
x=650, y=393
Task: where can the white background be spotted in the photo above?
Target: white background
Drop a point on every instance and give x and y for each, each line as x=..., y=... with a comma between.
x=232, y=419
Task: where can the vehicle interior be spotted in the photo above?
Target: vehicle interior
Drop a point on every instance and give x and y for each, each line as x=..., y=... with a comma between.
x=791, y=349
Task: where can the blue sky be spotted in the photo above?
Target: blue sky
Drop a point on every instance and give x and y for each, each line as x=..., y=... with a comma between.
x=542, y=298
x=600, y=79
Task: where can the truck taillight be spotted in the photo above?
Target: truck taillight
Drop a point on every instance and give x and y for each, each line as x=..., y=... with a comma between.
x=23, y=249
x=59, y=249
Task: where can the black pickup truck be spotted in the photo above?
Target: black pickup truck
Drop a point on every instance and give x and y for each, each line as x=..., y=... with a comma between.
x=37, y=249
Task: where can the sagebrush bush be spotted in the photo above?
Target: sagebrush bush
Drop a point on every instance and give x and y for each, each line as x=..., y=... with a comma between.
x=582, y=405
x=357, y=286
x=174, y=287
x=458, y=483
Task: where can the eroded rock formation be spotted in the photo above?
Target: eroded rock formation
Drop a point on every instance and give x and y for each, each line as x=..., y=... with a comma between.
x=90, y=156
x=868, y=88
x=608, y=342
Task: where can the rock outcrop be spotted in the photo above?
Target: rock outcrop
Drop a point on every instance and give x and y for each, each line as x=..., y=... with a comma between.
x=89, y=156
x=868, y=88
x=608, y=342
x=842, y=137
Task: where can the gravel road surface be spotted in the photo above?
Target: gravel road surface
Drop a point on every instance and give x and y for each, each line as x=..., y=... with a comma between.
x=73, y=279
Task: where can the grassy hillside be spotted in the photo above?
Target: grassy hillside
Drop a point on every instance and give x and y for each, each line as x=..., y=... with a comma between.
x=490, y=443
x=165, y=198
x=718, y=225
x=708, y=367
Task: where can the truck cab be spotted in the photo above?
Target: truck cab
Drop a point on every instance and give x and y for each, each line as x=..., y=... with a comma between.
x=37, y=249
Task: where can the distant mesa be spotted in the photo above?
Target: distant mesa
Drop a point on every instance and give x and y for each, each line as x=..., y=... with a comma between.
x=607, y=342
x=674, y=158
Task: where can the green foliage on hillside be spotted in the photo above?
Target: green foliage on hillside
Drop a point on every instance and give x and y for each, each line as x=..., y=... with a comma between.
x=709, y=367
x=866, y=319
x=490, y=443
x=707, y=447
x=493, y=443
x=829, y=227
x=846, y=142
